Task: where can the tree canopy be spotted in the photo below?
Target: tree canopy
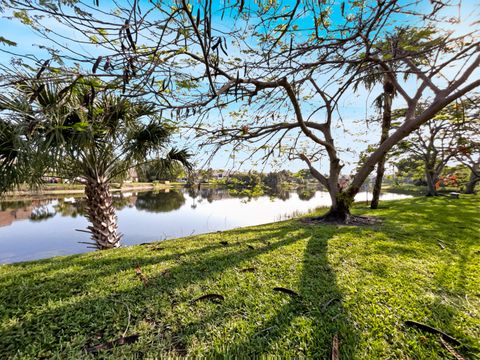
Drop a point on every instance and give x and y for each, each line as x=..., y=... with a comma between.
x=270, y=78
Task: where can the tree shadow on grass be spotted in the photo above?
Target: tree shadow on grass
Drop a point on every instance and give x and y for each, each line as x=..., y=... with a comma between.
x=305, y=324
x=56, y=308
x=434, y=243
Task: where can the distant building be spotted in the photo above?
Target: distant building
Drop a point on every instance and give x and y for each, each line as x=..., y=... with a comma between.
x=132, y=175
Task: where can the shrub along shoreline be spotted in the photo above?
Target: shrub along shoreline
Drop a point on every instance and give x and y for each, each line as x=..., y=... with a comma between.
x=283, y=289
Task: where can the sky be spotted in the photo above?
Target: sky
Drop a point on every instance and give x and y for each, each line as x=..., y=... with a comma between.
x=353, y=107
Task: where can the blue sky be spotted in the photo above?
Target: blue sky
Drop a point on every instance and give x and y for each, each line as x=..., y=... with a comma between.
x=355, y=106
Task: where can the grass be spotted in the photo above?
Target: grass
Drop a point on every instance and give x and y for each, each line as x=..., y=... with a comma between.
x=361, y=283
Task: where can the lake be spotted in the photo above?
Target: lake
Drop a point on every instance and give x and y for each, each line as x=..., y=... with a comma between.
x=45, y=226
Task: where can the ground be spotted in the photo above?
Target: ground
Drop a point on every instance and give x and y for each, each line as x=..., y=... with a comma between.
x=421, y=263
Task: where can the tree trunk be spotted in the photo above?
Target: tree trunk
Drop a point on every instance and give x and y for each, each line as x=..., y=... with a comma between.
x=472, y=182
x=340, y=210
x=386, y=123
x=101, y=214
x=431, y=180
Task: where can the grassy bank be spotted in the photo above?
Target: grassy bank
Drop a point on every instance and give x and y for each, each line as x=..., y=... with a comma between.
x=361, y=283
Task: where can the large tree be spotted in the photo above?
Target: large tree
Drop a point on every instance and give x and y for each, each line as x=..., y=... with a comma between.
x=450, y=136
x=273, y=76
x=82, y=129
x=437, y=143
x=290, y=87
x=468, y=152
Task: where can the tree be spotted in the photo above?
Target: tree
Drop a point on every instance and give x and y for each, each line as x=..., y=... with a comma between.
x=85, y=130
x=436, y=144
x=284, y=80
x=469, y=154
x=449, y=136
x=156, y=170
x=383, y=102
x=474, y=178
x=281, y=72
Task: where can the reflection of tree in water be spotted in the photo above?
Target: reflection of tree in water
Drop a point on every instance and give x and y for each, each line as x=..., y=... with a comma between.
x=121, y=200
x=14, y=205
x=279, y=192
x=211, y=194
x=42, y=213
x=306, y=194
x=159, y=201
x=71, y=209
x=192, y=192
x=47, y=207
x=78, y=206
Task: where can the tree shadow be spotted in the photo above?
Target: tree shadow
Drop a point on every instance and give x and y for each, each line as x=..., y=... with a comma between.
x=434, y=242
x=64, y=305
x=318, y=303
x=360, y=283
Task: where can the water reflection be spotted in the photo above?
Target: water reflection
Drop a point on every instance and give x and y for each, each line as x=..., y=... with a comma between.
x=159, y=201
x=42, y=227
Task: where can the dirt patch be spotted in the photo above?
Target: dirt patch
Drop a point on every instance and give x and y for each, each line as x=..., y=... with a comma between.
x=352, y=220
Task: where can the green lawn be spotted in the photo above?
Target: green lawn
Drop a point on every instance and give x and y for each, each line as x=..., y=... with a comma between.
x=361, y=283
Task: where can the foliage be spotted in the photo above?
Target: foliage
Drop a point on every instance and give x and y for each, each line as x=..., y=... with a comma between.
x=156, y=170
x=80, y=129
x=382, y=275
x=275, y=73
x=448, y=136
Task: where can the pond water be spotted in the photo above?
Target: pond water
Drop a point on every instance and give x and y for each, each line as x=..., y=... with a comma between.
x=45, y=226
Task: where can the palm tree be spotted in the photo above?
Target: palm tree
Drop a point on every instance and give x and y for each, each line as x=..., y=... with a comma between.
x=82, y=130
x=383, y=102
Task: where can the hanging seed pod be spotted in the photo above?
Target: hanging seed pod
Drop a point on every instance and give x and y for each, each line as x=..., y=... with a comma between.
x=93, y=94
x=214, y=46
x=236, y=85
x=223, y=49
x=129, y=36
x=107, y=64
x=42, y=69
x=242, y=4
x=95, y=66
x=62, y=92
x=132, y=66
x=37, y=92
x=198, y=18
x=209, y=27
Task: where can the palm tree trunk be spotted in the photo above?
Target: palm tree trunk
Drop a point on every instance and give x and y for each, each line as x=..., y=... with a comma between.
x=386, y=123
x=101, y=214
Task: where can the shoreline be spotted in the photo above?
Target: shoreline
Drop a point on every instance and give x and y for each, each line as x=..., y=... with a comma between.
x=79, y=190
